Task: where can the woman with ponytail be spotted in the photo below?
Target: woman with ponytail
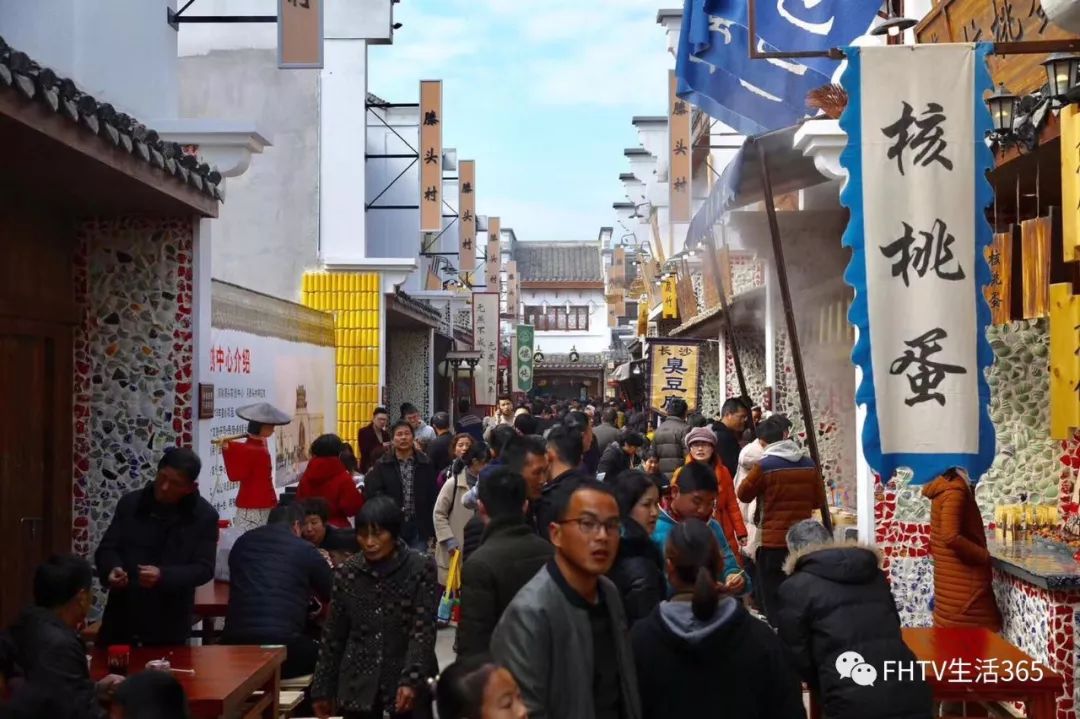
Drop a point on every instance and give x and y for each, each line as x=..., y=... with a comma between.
x=701, y=653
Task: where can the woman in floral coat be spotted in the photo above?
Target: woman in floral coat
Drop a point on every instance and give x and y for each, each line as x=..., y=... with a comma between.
x=378, y=645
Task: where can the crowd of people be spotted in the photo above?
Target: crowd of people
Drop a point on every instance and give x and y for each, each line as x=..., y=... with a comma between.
x=608, y=569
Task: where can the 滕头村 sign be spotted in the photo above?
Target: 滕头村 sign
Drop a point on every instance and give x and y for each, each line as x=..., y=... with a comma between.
x=916, y=193
x=467, y=216
x=486, y=341
x=431, y=151
x=673, y=372
x=296, y=378
x=300, y=34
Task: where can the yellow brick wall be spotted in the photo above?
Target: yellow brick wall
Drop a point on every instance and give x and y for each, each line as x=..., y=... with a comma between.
x=354, y=301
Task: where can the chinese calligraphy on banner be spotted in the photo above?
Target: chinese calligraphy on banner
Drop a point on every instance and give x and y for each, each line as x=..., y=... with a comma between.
x=679, y=114
x=917, y=193
x=673, y=372
x=467, y=216
x=512, y=286
x=523, y=359
x=493, y=266
x=1064, y=361
x=670, y=297
x=431, y=151
x=486, y=341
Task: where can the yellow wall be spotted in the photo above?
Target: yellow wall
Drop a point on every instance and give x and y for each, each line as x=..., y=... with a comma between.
x=353, y=299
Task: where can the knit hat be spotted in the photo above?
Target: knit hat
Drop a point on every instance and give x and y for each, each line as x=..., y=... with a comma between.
x=699, y=434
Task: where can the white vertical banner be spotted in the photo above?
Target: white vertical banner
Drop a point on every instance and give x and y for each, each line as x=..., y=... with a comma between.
x=917, y=194
x=486, y=340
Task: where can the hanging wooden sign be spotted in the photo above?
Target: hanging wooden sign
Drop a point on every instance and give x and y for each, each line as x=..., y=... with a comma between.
x=493, y=264
x=999, y=292
x=679, y=172
x=467, y=216
x=1064, y=313
x=431, y=151
x=1035, y=265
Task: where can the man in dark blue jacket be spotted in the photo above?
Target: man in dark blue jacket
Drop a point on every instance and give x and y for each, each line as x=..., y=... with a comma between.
x=272, y=576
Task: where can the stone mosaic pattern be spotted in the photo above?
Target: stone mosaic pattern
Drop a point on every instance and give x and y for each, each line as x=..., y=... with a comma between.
x=831, y=385
x=408, y=371
x=1027, y=459
x=133, y=361
x=751, y=344
x=711, y=397
x=747, y=272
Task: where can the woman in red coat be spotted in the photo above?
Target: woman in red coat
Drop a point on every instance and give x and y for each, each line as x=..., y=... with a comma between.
x=701, y=447
x=327, y=477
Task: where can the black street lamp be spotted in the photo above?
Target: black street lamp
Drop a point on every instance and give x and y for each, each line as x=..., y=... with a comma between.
x=574, y=356
x=1003, y=106
x=1062, y=74
x=538, y=356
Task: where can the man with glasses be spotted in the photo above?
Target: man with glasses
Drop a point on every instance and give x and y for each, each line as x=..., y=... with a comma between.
x=564, y=637
x=694, y=497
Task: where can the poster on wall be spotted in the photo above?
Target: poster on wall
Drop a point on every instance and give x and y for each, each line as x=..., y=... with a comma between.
x=297, y=378
x=674, y=372
x=918, y=264
x=486, y=341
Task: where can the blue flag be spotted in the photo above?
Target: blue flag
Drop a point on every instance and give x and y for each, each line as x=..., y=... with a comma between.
x=714, y=68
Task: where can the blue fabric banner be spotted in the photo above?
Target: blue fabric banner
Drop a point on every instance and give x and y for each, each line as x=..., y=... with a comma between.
x=715, y=71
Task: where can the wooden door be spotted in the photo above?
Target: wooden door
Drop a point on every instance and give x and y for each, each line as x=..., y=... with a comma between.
x=35, y=453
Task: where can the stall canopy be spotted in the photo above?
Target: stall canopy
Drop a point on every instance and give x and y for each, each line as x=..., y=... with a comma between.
x=740, y=183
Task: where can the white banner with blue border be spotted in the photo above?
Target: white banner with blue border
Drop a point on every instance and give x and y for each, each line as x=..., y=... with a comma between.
x=917, y=193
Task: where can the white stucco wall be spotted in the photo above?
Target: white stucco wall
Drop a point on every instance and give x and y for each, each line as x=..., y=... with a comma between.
x=267, y=234
x=120, y=51
x=596, y=339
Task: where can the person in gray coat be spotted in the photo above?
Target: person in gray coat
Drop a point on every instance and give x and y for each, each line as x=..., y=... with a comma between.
x=606, y=432
x=564, y=636
x=668, y=440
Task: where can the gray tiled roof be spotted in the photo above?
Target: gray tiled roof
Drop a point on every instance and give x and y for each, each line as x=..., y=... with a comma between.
x=558, y=261
x=18, y=73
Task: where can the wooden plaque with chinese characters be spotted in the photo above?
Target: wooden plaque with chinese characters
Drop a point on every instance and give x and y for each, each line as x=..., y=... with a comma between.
x=431, y=155
x=674, y=372
x=995, y=21
x=493, y=265
x=512, y=285
x=687, y=298
x=300, y=34
x=467, y=216
x=679, y=164
x=1064, y=361
x=999, y=292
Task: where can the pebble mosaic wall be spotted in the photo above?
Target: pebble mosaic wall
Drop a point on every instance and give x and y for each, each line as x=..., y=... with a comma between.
x=133, y=361
x=408, y=370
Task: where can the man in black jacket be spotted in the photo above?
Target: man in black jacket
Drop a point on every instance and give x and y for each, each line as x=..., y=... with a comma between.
x=836, y=601
x=621, y=455
x=160, y=546
x=439, y=449
x=49, y=650
x=564, y=450
x=273, y=574
x=509, y=556
x=734, y=417
x=407, y=477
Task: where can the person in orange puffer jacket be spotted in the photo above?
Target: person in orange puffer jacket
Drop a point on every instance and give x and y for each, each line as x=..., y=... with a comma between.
x=963, y=577
x=327, y=477
x=701, y=447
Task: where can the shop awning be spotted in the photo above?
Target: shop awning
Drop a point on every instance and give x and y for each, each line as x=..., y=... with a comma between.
x=621, y=373
x=740, y=183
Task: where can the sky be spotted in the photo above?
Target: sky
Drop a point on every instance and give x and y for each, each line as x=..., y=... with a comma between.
x=539, y=93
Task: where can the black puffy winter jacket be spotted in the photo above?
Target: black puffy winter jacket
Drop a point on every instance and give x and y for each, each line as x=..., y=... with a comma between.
x=272, y=575
x=837, y=600
x=638, y=573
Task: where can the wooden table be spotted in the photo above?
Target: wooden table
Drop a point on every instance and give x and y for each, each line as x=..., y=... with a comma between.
x=951, y=650
x=224, y=680
x=212, y=599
